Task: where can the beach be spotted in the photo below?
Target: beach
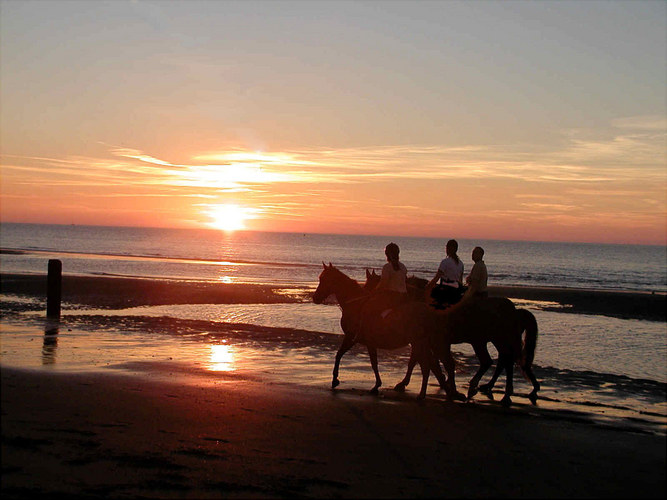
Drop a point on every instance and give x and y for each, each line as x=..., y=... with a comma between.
x=170, y=427
x=117, y=435
x=114, y=292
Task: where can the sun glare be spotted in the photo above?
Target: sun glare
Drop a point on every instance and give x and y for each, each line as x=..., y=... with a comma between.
x=229, y=217
x=222, y=358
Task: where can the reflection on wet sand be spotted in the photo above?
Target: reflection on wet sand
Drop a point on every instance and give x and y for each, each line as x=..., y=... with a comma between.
x=50, y=345
x=222, y=358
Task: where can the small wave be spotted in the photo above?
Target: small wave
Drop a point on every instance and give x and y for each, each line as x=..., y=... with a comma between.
x=159, y=257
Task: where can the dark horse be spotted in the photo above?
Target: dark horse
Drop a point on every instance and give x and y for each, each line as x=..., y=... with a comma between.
x=408, y=324
x=477, y=322
x=495, y=320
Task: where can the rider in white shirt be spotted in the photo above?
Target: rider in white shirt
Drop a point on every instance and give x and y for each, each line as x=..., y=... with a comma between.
x=450, y=274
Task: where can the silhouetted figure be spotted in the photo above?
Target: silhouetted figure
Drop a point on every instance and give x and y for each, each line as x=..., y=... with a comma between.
x=411, y=323
x=450, y=275
x=390, y=292
x=478, y=277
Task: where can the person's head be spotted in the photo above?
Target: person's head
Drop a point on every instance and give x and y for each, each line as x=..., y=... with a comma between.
x=392, y=251
x=451, y=248
x=477, y=254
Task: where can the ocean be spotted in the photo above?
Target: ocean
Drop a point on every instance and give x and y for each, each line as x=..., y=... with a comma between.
x=615, y=366
x=296, y=258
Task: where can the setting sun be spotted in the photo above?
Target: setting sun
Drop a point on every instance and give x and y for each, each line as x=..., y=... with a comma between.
x=229, y=217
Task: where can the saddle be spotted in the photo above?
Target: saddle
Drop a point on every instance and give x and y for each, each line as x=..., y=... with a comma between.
x=444, y=296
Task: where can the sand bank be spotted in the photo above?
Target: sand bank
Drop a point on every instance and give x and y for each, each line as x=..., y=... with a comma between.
x=118, y=435
x=115, y=293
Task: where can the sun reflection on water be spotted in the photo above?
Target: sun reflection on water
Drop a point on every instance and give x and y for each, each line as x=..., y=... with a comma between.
x=221, y=358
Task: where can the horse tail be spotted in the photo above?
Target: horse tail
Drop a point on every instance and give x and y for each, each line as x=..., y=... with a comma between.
x=529, y=325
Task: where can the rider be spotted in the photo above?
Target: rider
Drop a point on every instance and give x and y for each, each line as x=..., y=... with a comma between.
x=450, y=274
x=478, y=277
x=391, y=290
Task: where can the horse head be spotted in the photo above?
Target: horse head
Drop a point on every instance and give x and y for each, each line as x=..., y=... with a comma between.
x=335, y=282
x=372, y=279
x=324, y=288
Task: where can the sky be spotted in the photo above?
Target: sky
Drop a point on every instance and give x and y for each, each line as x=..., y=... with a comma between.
x=514, y=120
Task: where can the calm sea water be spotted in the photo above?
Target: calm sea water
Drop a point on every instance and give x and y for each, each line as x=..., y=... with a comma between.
x=614, y=363
x=295, y=259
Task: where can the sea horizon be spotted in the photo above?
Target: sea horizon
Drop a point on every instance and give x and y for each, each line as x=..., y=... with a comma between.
x=378, y=235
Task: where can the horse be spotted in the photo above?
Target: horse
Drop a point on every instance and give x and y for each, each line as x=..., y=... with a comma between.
x=479, y=321
x=407, y=324
x=416, y=288
x=495, y=320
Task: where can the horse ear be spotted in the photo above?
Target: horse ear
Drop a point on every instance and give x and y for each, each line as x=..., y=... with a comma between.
x=368, y=274
x=324, y=265
x=330, y=265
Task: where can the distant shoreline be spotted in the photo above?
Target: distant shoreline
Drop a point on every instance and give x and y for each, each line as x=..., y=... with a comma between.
x=120, y=292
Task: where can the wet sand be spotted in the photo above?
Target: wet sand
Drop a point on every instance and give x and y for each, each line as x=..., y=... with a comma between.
x=118, y=435
x=168, y=430
x=113, y=293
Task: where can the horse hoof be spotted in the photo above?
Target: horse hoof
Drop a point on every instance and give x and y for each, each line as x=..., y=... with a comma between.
x=335, y=383
x=457, y=396
x=471, y=392
x=374, y=391
x=506, y=402
x=399, y=387
x=533, y=398
x=421, y=397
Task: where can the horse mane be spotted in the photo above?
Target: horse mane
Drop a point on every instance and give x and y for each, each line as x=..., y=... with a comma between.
x=417, y=282
x=344, y=276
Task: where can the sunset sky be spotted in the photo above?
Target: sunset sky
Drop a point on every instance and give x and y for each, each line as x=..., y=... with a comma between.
x=484, y=119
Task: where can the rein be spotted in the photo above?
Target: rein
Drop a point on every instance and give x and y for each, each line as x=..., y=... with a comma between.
x=347, y=302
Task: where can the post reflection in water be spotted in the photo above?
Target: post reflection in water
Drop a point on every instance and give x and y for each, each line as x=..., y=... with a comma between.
x=222, y=358
x=50, y=345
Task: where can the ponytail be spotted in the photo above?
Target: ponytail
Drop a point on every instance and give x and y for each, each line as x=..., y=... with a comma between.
x=452, y=247
x=392, y=251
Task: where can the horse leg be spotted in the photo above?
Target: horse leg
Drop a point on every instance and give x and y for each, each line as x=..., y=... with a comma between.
x=484, y=363
x=373, y=354
x=488, y=387
x=400, y=387
x=424, y=364
x=348, y=342
x=435, y=368
x=508, y=361
x=450, y=385
x=533, y=380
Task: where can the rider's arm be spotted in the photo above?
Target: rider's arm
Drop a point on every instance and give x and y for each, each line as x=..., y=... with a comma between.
x=435, y=279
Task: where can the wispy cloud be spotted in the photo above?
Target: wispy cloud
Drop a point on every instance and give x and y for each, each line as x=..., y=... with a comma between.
x=621, y=176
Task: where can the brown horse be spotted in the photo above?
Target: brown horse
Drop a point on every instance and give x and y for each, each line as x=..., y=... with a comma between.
x=477, y=322
x=407, y=324
x=495, y=320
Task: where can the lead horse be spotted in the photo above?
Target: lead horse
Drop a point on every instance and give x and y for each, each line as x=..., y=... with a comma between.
x=408, y=324
x=477, y=322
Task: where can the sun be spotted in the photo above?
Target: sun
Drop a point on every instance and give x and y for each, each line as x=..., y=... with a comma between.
x=228, y=217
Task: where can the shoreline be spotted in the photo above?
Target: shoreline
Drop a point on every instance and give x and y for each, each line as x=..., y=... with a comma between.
x=120, y=292
x=102, y=434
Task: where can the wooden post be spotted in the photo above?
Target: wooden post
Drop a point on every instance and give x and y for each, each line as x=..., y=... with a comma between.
x=54, y=289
